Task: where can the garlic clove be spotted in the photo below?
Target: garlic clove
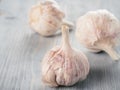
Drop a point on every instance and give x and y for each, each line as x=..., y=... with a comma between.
x=47, y=17
x=99, y=31
x=63, y=65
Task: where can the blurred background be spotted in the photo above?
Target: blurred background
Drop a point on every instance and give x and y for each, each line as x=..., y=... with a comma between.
x=22, y=49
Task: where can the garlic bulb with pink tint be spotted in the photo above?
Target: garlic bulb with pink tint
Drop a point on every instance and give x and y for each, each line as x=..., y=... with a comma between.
x=63, y=65
x=99, y=30
x=47, y=17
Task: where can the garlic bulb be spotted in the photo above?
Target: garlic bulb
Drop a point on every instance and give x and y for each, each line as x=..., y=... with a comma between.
x=99, y=30
x=47, y=17
x=64, y=65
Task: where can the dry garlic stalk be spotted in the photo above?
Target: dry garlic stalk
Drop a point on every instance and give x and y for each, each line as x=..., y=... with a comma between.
x=47, y=17
x=64, y=65
x=99, y=30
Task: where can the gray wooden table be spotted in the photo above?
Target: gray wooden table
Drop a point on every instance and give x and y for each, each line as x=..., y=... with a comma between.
x=21, y=49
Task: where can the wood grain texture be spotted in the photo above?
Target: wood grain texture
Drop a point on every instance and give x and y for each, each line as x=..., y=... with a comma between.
x=21, y=49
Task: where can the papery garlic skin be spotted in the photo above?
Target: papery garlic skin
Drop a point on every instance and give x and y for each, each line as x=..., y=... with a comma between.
x=46, y=17
x=60, y=68
x=99, y=30
x=64, y=65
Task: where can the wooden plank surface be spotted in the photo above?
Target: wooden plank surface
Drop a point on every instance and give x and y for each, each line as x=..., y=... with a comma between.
x=21, y=49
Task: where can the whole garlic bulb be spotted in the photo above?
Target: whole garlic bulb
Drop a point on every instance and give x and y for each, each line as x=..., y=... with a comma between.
x=63, y=65
x=99, y=30
x=47, y=17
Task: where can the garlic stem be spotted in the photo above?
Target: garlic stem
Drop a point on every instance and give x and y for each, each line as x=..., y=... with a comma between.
x=112, y=53
x=65, y=37
x=68, y=23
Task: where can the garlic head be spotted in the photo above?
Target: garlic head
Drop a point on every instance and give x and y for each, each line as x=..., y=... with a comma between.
x=46, y=17
x=99, y=31
x=63, y=65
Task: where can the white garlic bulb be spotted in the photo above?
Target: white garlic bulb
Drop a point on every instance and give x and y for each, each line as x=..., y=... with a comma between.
x=64, y=65
x=99, y=30
x=47, y=17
